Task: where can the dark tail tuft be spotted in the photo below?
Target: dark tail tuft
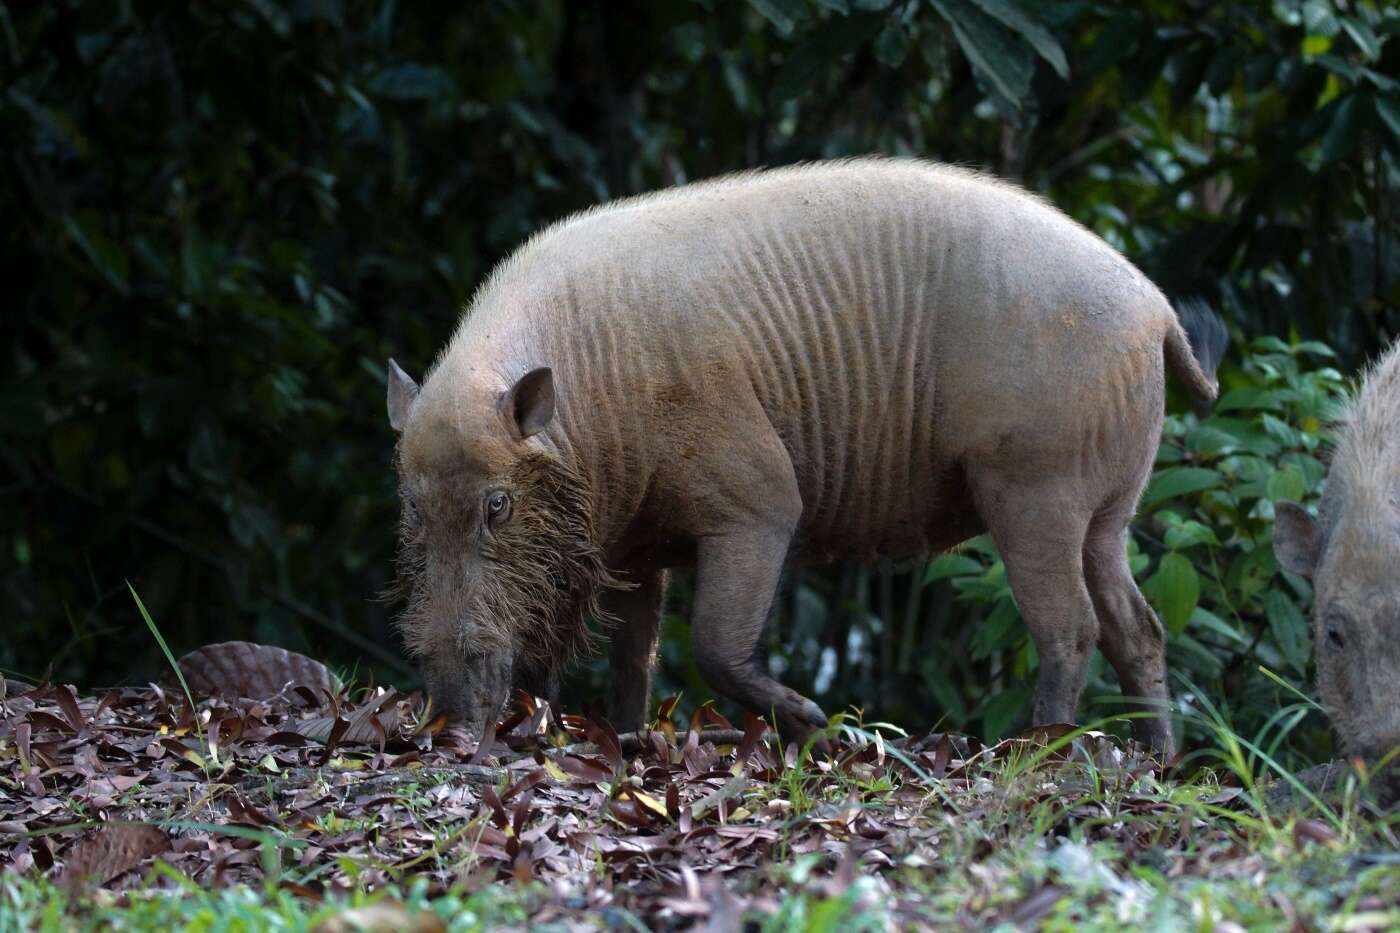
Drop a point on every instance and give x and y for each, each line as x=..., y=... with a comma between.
x=1206, y=332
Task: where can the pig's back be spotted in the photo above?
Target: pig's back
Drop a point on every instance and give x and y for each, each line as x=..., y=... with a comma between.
x=889, y=316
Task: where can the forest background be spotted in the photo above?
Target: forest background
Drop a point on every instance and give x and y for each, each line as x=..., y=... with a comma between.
x=220, y=218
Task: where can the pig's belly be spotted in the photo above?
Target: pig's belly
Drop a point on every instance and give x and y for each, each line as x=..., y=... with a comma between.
x=923, y=515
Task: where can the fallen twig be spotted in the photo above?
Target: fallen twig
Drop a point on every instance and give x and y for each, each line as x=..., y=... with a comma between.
x=633, y=742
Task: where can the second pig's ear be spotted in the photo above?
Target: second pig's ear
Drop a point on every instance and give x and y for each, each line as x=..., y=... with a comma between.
x=528, y=406
x=1297, y=544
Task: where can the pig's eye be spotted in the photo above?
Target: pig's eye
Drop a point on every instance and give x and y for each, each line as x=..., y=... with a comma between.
x=497, y=507
x=1334, y=631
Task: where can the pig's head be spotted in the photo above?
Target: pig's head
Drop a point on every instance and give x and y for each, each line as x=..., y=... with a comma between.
x=497, y=565
x=1353, y=559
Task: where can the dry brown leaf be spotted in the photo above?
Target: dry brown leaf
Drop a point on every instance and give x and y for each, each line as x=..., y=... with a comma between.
x=1305, y=831
x=111, y=851
x=370, y=724
x=244, y=669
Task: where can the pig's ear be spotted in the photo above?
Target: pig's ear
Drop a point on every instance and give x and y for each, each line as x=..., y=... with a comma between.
x=403, y=391
x=1296, y=543
x=528, y=405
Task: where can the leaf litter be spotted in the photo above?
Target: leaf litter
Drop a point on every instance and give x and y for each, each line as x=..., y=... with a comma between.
x=324, y=791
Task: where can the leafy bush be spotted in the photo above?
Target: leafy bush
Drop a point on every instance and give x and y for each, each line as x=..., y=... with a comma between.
x=1207, y=537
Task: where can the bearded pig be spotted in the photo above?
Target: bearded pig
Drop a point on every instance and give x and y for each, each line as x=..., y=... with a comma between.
x=1351, y=551
x=841, y=360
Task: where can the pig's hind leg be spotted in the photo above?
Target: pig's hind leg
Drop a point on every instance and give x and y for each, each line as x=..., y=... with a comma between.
x=1130, y=633
x=1039, y=527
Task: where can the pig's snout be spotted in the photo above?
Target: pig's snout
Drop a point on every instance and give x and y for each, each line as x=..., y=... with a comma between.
x=469, y=689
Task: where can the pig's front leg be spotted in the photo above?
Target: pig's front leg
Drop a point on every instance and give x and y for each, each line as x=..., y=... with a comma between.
x=632, y=647
x=737, y=578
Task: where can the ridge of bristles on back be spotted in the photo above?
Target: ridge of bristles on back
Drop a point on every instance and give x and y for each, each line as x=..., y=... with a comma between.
x=1367, y=457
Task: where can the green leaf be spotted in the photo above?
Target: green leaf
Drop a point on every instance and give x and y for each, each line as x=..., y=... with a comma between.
x=1286, y=485
x=1282, y=431
x=1200, y=660
x=1220, y=434
x=274, y=16
x=1389, y=112
x=946, y=695
x=1178, y=481
x=1319, y=18
x=411, y=81
x=839, y=6
x=1309, y=467
x=999, y=630
x=1382, y=83
x=1002, y=711
x=783, y=14
x=1364, y=36
x=1340, y=66
x=1315, y=347
x=1344, y=131
x=1251, y=400
x=892, y=45
x=1176, y=588
x=1045, y=44
x=165, y=650
x=1203, y=618
x=992, y=49
x=1289, y=628
x=951, y=565
x=989, y=587
x=1189, y=534
x=1249, y=574
x=982, y=544
x=1269, y=344
x=828, y=43
x=107, y=257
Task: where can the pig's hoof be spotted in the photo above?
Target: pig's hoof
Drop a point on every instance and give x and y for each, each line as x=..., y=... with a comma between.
x=812, y=714
x=803, y=720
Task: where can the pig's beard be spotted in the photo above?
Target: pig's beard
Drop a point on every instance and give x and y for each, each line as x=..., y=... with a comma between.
x=547, y=574
x=541, y=582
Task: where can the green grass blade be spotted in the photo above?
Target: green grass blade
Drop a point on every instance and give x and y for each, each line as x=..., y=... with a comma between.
x=169, y=656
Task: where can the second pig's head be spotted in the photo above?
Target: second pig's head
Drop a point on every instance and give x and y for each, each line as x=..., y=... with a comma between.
x=1353, y=560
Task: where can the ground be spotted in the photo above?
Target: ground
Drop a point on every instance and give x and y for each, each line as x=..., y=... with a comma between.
x=326, y=807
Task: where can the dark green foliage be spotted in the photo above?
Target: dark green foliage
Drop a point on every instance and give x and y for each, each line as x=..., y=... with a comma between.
x=222, y=217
